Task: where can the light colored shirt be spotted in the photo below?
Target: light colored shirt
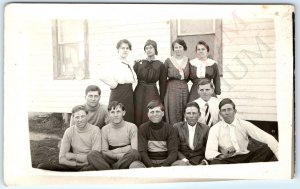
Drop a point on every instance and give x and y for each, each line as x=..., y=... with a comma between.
x=97, y=116
x=213, y=103
x=191, y=136
x=118, y=72
x=124, y=134
x=220, y=138
x=82, y=142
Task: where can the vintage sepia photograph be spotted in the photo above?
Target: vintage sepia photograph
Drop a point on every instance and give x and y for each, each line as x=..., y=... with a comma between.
x=100, y=92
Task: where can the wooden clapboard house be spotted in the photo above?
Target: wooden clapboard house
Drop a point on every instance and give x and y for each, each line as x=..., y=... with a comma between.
x=67, y=55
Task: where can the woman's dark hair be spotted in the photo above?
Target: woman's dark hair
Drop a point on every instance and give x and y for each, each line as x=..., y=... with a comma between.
x=124, y=41
x=180, y=42
x=152, y=43
x=204, y=44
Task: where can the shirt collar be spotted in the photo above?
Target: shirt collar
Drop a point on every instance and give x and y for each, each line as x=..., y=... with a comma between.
x=233, y=124
x=191, y=127
x=205, y=102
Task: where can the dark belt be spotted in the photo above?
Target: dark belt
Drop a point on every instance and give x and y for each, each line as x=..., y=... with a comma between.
x=182, y=80
x=115, y=147
x=145, y=83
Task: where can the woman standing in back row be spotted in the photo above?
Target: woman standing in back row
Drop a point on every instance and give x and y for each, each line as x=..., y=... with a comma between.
x=148, y=72
x=203, y=67
x=120, y=77
x=177, y=89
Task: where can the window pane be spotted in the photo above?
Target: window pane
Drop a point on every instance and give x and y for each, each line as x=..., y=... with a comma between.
x=72, y=60
x=70, y=31
x=195, y=27
x=69, y=46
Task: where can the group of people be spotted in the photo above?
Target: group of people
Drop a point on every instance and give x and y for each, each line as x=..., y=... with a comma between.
x=172, y=77
x=172, y=126
x=100, y=138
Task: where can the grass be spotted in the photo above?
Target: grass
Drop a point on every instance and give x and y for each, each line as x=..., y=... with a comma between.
x=44, y=151
x=45, y=132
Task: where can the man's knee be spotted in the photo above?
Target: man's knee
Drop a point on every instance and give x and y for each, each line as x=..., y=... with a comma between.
x=216, y=161
x=134, y=154
x=94, y=155
x=136, y=164
x=96, y=159
x=179, y=163
x=265, y=151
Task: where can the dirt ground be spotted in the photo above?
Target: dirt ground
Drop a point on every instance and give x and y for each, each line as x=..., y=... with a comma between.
x=46, y=131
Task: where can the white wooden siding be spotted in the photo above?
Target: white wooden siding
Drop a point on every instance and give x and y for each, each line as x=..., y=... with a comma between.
x=249, y=67
x=104, y=35
x=249, y=63
x=49, y=95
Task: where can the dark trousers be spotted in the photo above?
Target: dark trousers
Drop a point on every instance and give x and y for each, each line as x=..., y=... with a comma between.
x=64, y=168
x=260, y=153
x=123, y=163
x=95, y=160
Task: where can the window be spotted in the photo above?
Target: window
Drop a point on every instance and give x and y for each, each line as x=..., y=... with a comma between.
x=70, y=49
x=194, y=30
x=196, y=27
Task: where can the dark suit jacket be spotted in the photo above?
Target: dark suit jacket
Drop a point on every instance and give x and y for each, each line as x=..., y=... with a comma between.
x=201, y=134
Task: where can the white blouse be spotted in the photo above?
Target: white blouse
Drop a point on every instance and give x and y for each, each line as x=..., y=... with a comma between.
x=201, y=66
x=118, y=72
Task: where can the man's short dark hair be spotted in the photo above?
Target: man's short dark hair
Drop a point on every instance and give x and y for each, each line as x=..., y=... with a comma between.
x=92, y=88
x=206, y=81
x=226, y=101
x=114, y=105
x=78, y=108
x=192, y=104
x=155, y=103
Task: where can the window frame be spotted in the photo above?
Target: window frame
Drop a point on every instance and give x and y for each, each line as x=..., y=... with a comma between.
x=56, y=53
x=196, y=33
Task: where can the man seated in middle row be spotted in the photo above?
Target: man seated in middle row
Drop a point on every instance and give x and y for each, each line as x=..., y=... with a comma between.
x=192, y=137
x=209, y=105
x=97, y=112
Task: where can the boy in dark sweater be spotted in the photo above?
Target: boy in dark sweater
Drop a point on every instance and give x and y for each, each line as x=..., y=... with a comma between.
x=157, y=140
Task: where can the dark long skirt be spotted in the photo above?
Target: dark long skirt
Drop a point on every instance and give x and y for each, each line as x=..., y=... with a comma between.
x=123, y=93
x=143, y=94
x=175, y=100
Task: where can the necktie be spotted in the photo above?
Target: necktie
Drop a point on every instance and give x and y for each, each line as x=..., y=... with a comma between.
x=233, y=138
x=130, y=70
x=208, y=119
